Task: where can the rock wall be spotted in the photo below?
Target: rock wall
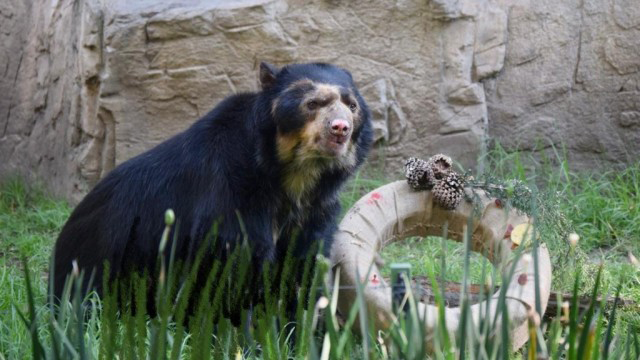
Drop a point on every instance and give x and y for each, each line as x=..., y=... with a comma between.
x=51, y=56
x=571, y=77
x=91, y=83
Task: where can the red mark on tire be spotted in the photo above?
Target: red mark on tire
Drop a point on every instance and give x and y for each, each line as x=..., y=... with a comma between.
x=522, y=279
x=375, y=280
x=507, y=233
x=374, y=197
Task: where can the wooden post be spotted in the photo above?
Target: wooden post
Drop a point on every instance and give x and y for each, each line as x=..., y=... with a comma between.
x=400, y=276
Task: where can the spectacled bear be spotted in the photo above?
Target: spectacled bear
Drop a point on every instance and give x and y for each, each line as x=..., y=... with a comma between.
x=265, y=167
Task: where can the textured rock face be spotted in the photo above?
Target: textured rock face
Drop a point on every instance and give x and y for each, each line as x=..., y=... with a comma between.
x=170, y=65
x=92, y=83
x=572, y=77
x=50, y=56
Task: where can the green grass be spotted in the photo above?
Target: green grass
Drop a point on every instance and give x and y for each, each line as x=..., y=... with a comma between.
x=29, y=223
x=424, y=255
x=602, y=208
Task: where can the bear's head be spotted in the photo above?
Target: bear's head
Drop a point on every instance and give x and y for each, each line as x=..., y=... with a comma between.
x=322, y=121
x=317, y=109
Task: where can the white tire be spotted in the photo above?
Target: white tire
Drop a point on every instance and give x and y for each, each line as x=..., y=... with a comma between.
x=394, y=212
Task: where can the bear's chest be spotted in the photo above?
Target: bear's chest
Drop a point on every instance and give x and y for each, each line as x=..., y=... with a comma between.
x=290, y=216
x=298, y=183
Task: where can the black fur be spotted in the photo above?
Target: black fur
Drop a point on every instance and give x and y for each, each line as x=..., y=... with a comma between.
x=225, y=164
x=289, y=118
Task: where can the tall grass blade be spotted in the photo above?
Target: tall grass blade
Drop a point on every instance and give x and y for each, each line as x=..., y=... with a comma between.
x=32, y=324
x=363, y=316
x=573, y=319
x=588, y=328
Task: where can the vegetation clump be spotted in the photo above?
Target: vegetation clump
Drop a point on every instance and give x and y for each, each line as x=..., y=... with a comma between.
x=592, y=265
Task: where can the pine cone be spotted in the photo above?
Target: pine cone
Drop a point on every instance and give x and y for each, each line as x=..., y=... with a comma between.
x=441, y=165
x=448, y=192
x=419, y=174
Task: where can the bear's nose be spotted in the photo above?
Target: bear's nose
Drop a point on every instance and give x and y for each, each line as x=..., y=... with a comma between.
x=339, y=127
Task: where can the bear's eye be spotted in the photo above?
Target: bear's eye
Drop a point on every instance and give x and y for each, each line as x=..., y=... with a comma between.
x=312, y=105
x=353, y=107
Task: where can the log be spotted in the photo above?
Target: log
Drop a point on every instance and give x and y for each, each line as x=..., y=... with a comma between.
x=476, y=292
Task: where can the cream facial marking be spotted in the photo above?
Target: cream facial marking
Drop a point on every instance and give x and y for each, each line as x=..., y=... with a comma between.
x=315, y=148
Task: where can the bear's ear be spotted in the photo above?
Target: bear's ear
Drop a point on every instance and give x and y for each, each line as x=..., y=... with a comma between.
x=268, y=74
